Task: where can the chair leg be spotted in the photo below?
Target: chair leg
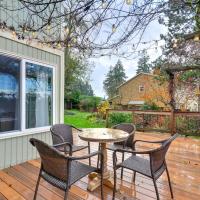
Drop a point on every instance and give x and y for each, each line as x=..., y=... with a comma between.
x=98, y=159
x=134, y=177
x=114, y=187
x=89, y=153
x=122, y=170
x=102, y=186
x=157, y=194
x=66, y=193
x=169, y=181
x=36, y=188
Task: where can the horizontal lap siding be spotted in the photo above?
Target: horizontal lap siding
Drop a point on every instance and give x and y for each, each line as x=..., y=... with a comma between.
x=18, y=149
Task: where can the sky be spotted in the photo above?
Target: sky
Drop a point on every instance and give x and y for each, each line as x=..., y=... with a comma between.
x=102, y=64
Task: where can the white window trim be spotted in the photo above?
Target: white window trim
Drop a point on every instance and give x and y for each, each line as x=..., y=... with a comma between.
x=141, y=86
x=24, y=91
x=23, y=131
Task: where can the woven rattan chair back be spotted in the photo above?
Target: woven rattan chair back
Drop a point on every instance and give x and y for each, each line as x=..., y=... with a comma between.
x=49, y=156
x=157, y=157
x=129, y=128
x=62, y=130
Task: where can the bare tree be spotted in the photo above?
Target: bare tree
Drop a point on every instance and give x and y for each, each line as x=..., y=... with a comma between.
x=100, y=27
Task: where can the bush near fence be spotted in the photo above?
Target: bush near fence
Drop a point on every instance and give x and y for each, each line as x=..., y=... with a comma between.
x=189, y=126
x=186, y=124
x=117, y=118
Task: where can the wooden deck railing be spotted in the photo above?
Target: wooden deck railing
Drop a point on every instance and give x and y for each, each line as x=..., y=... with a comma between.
x=166, y=121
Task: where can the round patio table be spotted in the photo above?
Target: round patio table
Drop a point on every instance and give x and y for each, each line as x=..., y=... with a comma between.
x=102, y=136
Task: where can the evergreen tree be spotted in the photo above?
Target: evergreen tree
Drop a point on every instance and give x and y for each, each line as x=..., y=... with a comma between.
x=114, y=78
x=143, y=65
x=83, y=87
x=180, y=19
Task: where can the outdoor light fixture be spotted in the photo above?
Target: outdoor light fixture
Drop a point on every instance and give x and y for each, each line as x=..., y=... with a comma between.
x=66, y=30
x=196, y=38
x=33, y=33
x=128, y=2
x=175, y=45
x=104, y=4
x=49, y=27
x=74, y=40
x=113, y=28
x=59, y=45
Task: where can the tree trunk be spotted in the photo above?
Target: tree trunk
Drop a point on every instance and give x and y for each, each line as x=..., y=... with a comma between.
x=172, y=104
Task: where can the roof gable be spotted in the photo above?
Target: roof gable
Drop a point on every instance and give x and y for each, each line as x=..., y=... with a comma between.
x=140, y=74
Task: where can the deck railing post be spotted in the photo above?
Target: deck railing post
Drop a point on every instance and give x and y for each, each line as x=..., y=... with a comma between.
x=172, y=102
x=133, y=118
x=173, y=123
x=107, y=115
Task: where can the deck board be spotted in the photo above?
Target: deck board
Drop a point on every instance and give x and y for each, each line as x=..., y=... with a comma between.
x=183, y=159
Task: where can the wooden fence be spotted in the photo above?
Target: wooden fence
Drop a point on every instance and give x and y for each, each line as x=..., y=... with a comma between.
x=163, y=121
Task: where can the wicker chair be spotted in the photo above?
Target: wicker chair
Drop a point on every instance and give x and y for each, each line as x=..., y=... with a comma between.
x=63, y=133
x=61, y=170
x=152, y=167
x=128, y=144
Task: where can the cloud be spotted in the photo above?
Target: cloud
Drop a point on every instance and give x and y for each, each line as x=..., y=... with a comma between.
x=97, y=78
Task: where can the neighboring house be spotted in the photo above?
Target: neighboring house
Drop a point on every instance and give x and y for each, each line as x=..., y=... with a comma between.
x=31, y=96
x=145, y=87
x=139, y=89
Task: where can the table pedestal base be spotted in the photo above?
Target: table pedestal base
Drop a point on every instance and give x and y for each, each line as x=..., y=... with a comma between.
x=94, y=181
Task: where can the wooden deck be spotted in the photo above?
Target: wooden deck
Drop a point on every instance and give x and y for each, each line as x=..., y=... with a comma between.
x=183, y=159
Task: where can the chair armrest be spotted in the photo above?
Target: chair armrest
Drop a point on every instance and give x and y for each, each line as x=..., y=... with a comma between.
x=86, y=156
x=153, y=142
x=127, y=151
x=130, y=135
x=133, y=152
x=78, y=129
x=65, y=144
x=58, y=136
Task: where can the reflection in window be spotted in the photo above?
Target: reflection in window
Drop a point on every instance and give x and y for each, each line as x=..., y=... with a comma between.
x=39, y=96
x=9, y=94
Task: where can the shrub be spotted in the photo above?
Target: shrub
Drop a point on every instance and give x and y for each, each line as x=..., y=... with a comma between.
x=150, y=106
x=188, y=126
x=117, y=118
x=89, y=103
x=102, y=109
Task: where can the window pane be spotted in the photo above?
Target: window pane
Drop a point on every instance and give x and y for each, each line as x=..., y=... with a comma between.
x=39, y=95
x=9, y=94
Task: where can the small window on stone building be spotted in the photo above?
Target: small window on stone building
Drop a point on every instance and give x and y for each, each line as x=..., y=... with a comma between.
x=141, y=88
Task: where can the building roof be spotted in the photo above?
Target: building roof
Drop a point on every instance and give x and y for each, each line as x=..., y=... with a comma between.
x=113, y=97
x=142, y=73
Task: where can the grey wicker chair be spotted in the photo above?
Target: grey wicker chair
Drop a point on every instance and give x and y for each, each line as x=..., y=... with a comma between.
x=62, y=170
x=152, y=167
x=63, y=133
x=128, y=144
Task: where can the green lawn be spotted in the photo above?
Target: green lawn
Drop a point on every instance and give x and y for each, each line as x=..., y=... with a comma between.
x=81, y=120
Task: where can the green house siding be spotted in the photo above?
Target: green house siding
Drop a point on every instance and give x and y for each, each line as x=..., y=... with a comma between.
x=27, y=51
x=15, y=149
x=12, y=13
